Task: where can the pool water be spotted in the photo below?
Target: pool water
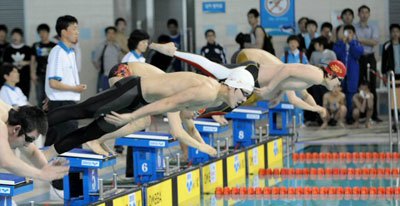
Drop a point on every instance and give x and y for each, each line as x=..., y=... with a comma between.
x=353, y=180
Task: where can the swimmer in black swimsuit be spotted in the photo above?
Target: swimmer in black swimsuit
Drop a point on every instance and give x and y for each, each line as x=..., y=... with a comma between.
x=167, y=93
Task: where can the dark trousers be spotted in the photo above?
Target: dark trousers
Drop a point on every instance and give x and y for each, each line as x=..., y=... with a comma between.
x=317, y=92
x=58, y=131
x=364, y=61
x=129, y=161
x=40, y=93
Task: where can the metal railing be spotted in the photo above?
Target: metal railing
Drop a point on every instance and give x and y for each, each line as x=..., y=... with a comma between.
x=391, y=82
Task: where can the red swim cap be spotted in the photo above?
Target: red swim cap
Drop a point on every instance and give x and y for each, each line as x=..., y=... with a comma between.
x=337, y=69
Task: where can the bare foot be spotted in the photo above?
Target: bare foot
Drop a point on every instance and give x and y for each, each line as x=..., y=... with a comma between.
x=368, y=125
x=167, y=48
x=50, y=153
x=97, y=148
x=341, y=124
x=108, y=149
x=208, y=149
x=220, y=119
x=356, y=125
x=323, y=126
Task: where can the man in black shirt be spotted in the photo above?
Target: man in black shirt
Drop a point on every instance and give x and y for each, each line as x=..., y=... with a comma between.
x=40, y=53
x=19, y=55
x=213, y=51
x=3, y=42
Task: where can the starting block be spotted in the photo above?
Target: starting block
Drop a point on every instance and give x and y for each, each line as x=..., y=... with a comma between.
x=244, y=124
x=207, y=128
x=84, y=165
x=11, y=185
x=279, y=117
x=148, y=158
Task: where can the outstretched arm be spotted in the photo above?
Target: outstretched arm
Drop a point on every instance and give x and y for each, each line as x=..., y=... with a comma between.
x=12, y=163
x=35, y=156
x=307, y=102
x=210, y=68
x=307, y=73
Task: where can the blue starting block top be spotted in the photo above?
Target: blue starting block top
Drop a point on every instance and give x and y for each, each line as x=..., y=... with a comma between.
x=209, y=126
x=147, y=139
x=11, y=185
x=84, y=158
x=286, y=106
x=250, y=113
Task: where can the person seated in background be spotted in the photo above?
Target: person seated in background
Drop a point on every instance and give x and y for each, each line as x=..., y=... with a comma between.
x=334, y=103
x=10, y=93
x=363, y=105
x=213, y=51
x=293, y=55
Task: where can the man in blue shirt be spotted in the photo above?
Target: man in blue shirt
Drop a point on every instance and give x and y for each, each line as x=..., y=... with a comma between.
x=348, y=50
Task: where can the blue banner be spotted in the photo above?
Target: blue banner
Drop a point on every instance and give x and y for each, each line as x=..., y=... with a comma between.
x=214, y=7
x=277, y=17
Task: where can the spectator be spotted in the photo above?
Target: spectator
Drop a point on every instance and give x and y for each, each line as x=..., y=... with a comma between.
x=348, y=50
x=213, y=51
x=160, y=60
x=347, y=17
x=334, y=103
x=312, y=28
x=3, y=42
x=322, y=55
x=363, y=104
x=107, y=54
x=303, y=31
x=259, y=38
x=137, y=43
x=10, y=93
x=176, y=37
x=368, y=36
x=326, y=31
x=294, y=55
x=62, y=84
x=120, y=37
x=320, y=58
x=20, y=55
x=40, y=53
x=391, y=61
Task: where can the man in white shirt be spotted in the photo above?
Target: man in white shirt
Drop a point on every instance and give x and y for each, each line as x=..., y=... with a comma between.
x=62, y=85
x=138, y=42
x=10, y=93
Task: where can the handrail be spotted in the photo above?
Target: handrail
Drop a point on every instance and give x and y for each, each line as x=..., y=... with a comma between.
x=391, y=82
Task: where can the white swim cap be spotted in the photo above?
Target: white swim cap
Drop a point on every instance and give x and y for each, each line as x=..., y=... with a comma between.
x=240, y=79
